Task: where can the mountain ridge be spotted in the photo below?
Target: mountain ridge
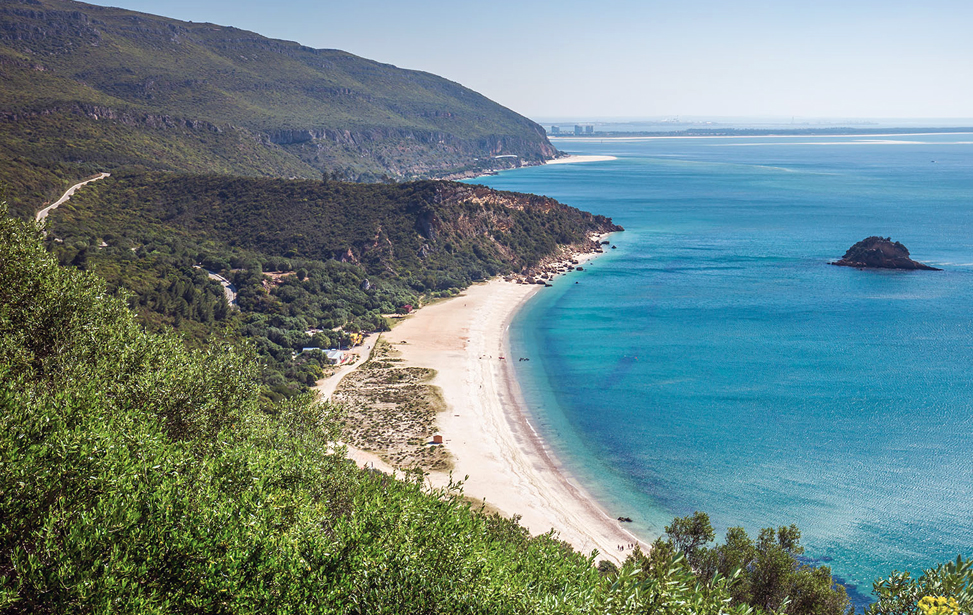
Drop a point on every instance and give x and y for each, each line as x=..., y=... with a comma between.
x=165, y=94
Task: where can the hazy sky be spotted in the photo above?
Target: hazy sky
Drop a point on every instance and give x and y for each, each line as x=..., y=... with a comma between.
x=579, y=58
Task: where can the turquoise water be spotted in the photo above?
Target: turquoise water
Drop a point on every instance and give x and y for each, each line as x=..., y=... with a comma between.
x=714, y=361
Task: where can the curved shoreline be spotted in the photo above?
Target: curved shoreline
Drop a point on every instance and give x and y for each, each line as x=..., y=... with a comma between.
x=518, y=413
x=487, y=427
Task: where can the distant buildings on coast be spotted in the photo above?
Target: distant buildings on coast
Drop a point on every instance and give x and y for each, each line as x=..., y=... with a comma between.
x=677, y=127
x=579, y=129
x=697, y=126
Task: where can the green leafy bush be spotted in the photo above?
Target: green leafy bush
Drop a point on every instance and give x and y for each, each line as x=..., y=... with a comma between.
x=901, y=594
x=767, y=574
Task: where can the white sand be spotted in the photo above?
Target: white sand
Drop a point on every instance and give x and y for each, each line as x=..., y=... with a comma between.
x=485, y=427
x=571, y=159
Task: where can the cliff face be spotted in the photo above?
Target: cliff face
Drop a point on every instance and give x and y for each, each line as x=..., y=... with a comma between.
x=94, y=69
x=880, y=253
x=409, y=153
x=506, y=223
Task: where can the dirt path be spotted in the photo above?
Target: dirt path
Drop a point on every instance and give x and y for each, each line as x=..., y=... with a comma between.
x=67, y=195
x=326, y=387
x=366, y=460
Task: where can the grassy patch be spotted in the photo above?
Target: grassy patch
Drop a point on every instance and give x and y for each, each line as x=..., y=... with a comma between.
x=391, y=411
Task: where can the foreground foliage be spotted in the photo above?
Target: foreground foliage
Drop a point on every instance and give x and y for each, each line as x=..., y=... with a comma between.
x=946, y=589
x=767, y=572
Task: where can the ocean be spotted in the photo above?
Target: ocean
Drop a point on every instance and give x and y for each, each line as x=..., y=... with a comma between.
x=712, y=360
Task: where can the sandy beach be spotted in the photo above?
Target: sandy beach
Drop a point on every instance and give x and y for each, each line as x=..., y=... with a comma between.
x=571, y=159
x=486, y=428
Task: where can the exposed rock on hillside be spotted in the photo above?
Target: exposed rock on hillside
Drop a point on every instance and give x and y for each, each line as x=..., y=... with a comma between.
x=880, y=253
x=131, y=89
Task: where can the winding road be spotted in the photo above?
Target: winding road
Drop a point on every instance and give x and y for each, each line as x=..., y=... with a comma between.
x=67, y=195
x=228, y=286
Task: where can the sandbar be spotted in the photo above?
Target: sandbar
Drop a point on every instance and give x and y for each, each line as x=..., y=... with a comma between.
x=572, y=158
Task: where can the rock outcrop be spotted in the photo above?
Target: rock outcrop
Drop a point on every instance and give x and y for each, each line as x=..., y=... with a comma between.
x=880, y=253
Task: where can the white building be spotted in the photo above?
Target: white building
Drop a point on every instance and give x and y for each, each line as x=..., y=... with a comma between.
x=336, y=356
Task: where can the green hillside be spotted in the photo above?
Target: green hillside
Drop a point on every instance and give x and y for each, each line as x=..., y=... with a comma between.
x=347, y=253
x=96, y=87
x=392, y=230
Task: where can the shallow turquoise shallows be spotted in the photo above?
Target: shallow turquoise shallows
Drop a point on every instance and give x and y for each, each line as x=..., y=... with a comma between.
x=714, y=361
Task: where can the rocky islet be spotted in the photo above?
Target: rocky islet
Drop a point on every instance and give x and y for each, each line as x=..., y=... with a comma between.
x=880, y=253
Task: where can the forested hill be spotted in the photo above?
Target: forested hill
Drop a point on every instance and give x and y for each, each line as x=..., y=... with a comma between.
x=100, y=88
x=443, y=234
x=327, y=257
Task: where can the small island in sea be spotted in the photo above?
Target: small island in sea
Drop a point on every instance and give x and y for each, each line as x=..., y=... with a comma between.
x=880, y=253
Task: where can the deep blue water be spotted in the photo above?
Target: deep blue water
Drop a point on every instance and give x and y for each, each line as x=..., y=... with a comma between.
x=714, y=361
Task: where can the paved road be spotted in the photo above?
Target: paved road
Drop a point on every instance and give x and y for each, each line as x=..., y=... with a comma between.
x=67, y=195
x=228, y=287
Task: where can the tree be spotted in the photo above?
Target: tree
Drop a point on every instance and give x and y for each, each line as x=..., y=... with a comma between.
x=688, y=534
x=738, y=552
x=766, y=573
x=80, y=259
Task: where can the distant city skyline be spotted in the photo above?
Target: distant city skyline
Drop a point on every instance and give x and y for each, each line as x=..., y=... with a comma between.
x=629, y=59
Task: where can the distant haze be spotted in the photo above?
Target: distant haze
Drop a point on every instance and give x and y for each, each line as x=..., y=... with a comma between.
x=572, y=58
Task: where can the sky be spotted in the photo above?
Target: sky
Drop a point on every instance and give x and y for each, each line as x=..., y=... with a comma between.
x=647, y=59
